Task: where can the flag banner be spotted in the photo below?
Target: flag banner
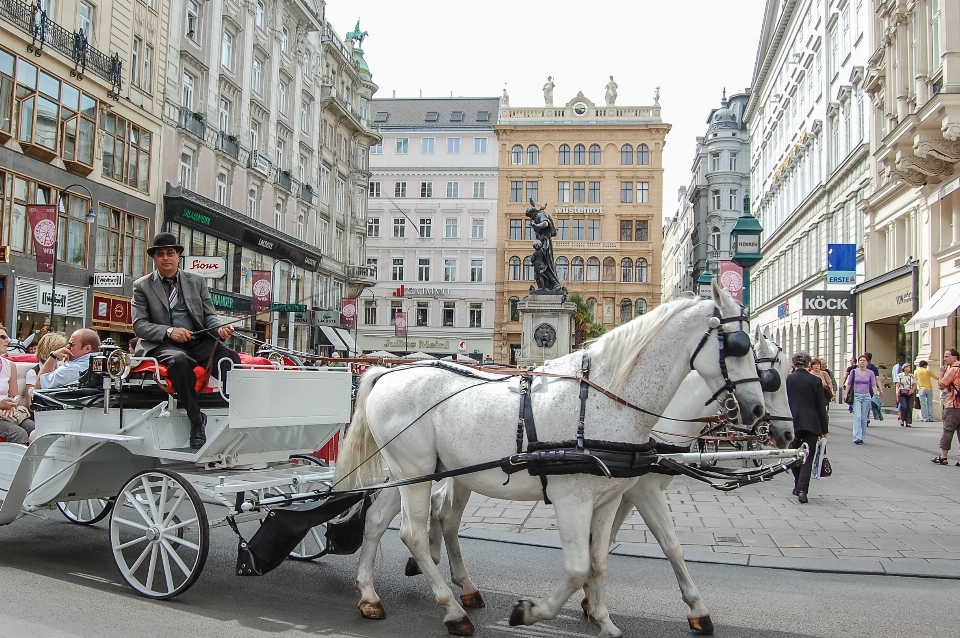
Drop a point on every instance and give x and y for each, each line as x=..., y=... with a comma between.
x=262, y=290
x=348, y=312
x=43, y=227
x=731, y=279
x=400, y=325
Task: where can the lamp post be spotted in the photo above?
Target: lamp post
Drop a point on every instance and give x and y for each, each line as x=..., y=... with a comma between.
x=89, y=218
x=745, y=237
x=276, y=293
x=706, y=275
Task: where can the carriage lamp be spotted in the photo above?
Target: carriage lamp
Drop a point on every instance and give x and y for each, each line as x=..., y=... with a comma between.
x=745, y=238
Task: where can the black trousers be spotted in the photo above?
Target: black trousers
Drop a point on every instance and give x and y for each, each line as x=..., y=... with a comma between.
x=801, y=475
x=181, y=358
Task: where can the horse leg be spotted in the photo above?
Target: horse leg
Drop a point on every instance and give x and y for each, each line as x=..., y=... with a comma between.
x=414, y=515
x=648, y=497
x=381, y=512
x=622, y=512
x=600, y=530
x=454, y=501
x=437, y=496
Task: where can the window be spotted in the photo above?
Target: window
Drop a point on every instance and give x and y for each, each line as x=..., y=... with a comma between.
x=733, y=161
x=281, y=153
x=476, y=228
x=426, y=227
x=423, y=269
x=399, y=227
x=715, y=199
x=426, y=189
x=305, y=118
x=253, y=203
x=936, y=47
x=226, y=50
x=595, y=154
x=734, y=199
x=626, y=270
x=514, y=309
x=715, y=239
x=146, y=79
x=426, y=145
x=563, y=229
x=254, y=135
x=594, y=192
x=323, y=230
x=403, y=145
x=479, y=190
x=533, y=155
x=513, y=269
x=135, y=61
x=642, y=231
x=626, y=230
x=516, y=191
x=563, y=268
x=451, y=227
x=626, y=192
x=626, y=155
x=223, y=115
x=453, y=145
x=374, y=189
x=257, y=76
x=563, y=156
x=576, y=269
x=579, y=155
x=579, y=192
x=643, y=155
x=396, y=274
x=641, y=307
x=373, y=227
x=593, y=269
x=284, y=40
x=479, y=145
x=399, y=189
x=121, y=240
x=193, y=19
x=533, y=190
x=626, y=311
x=641, y=273
x=324, y=184
x=476, y=270
x=714, y=161
x=834, y=54
x=449, y=270
x=370, y=312
x=126, y=151
x=278, y=216
x=377, y=149
x=516, y=155
x=476, y=315
x=258, y=14
x=85, y=20
x=449, y=310
x=643, y=192
x=563, y=192
x=577, y=230
x=593, y=230
x=282, y=98
x=221, y=194
x=528, y=274
x=453, y=189
x=422, y=311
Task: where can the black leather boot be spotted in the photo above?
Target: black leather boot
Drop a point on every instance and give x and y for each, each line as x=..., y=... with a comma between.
x=198, y=433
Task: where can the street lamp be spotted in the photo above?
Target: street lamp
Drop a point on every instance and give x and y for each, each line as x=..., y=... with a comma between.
x=745, y=237
x=89, y=218
x=704, y=281
x=706, y=276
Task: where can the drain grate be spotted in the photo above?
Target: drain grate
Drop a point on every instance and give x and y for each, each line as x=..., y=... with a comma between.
x=729, y=540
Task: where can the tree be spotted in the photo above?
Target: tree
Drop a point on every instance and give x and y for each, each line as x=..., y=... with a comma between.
x=584, y=326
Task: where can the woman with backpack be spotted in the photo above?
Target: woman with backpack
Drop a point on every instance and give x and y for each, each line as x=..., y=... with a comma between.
x=862, y=384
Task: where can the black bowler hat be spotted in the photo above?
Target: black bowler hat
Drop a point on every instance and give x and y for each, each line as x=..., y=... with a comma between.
x=164, y=240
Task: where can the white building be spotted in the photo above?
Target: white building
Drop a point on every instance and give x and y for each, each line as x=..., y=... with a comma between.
x=431, y=227
x=676, y=239
x=810, y=168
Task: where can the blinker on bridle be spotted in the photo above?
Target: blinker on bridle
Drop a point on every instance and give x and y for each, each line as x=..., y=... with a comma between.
x=734, y=343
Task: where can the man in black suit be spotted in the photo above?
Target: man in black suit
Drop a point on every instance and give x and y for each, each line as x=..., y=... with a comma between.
x=808, y=405
x=169, y=306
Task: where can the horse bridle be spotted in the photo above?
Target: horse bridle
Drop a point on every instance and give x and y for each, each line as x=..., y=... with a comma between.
x=770, y=381
x=734, y=343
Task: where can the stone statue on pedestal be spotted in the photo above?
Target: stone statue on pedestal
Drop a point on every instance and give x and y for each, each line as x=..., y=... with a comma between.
x=505, y=99
x=611, y=95
x=548, y=91
x=544, y=264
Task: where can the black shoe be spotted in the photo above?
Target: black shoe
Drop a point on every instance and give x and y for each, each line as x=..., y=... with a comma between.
x=198, y=434
x=795, y=492
x=802, y=497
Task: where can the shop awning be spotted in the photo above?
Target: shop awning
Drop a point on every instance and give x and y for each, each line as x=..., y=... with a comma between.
x=333, y=338
x=347, y=339
x=937, y=311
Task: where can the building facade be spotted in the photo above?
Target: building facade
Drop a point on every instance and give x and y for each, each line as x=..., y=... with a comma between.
x=432, y=227
x=808, y=116
x=266, y=159
x=599, y=170
x=676, y=239
x=81, y=99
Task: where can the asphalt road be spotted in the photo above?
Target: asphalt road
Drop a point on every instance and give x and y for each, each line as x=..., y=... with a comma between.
x=58, y=580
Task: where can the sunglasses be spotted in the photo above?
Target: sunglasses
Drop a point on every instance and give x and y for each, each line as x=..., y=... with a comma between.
x=4, y=338
x=70, y=344
x=170, y=252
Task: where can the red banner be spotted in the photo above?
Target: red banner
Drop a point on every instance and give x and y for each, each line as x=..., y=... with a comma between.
x=400, y=325
x=43, y=226
x=111, y=310
x=262, y=290
x=731, y=279
x=348, y=312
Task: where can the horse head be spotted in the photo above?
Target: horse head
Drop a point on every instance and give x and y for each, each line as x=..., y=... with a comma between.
x=773, y=367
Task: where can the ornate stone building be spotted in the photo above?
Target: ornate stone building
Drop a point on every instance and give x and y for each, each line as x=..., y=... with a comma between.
x=599, y=170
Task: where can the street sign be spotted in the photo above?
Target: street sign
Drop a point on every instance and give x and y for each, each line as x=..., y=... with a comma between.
x=108, y=280
x=209, y=267
x=288, y=307
x=842, y=264
x=824, y=303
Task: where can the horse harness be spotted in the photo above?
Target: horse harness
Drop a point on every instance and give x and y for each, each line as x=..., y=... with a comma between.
x=770, y=381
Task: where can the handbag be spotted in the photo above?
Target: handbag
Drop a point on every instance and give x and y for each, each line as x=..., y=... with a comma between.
x=20, y=414
x=825, y=468
x=849, y=398
x=916, y=403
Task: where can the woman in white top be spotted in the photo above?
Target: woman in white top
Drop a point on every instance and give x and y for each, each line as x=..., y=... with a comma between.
x=906, y=391
x=10, y=430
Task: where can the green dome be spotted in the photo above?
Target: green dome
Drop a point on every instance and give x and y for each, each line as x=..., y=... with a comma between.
x=361, y=65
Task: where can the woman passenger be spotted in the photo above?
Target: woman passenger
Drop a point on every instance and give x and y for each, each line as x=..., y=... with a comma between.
x=47, y=344
x=10, y=430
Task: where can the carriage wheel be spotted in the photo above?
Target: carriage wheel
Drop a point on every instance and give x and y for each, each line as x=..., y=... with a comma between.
x=86, y=511
x=314, y=544
x=159, y=534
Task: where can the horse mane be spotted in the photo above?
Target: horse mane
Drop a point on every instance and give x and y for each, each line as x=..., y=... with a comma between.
x=629, y=340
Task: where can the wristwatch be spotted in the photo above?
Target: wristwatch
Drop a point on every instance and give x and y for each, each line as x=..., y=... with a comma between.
x=53, y=356
x=170, y=332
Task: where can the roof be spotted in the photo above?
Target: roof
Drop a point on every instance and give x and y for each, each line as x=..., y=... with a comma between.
x=435, y=113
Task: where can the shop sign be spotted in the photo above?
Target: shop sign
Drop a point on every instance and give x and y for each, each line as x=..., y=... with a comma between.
x=301, y=318
x=461, y=346
x=111, y=310
x=288, y=307
x=748, y=244
x=45, y=293
x=783, y=309
x=842, y=264
x=260, y=162
x=108, y=280
x=417, y=344
x=825, y=303
x=325, y=318
x=578, y=210
x=209, y=267
x=222, y=301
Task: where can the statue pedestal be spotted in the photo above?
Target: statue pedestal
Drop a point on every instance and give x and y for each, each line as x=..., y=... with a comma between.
x=547, y=328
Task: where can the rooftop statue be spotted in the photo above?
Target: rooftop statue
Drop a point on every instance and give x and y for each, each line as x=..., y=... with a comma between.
x=611, y=95
x=548, y=91
x=357, y=35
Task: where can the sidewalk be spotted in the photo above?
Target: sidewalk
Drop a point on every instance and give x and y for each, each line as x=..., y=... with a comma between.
x=886, y=510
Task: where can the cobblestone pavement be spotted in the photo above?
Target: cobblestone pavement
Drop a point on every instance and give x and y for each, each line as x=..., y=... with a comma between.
x=886, y=509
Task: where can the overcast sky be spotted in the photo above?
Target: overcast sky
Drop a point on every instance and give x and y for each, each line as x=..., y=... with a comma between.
x=692, y=49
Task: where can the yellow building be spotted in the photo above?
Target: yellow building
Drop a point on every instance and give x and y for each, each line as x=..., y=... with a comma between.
x=599, y=170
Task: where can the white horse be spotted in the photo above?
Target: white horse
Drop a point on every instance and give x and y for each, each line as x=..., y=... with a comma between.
x=422, y=419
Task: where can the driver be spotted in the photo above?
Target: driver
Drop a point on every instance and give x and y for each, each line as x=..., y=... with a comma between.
x=169, y=306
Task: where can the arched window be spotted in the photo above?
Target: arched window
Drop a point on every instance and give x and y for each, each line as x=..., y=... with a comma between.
x=533, y=155
x=514, y=269
x=641, y=277
x=576, y=268
x=626, y=270
x=516, y=155
x=641, y=307
x=595, y=154
x=715, y=239
x=528, y=269
x=579, y=155
x=643, y=155
x=514, y=309
x=592, y=307
x=626, y=154
x=626, y=311
x=609, y=269
x=563, y=155
x=593, y=269
x=563, y=268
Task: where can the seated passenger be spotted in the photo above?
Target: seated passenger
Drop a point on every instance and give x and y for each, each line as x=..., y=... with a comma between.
x=47, y=344
x=10, y=430
x=65, y=365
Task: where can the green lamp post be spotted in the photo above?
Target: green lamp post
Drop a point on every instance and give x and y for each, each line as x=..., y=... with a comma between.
x=704, y=281
x=745, y=238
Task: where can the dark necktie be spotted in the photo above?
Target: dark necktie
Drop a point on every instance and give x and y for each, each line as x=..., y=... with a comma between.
x=172, y=295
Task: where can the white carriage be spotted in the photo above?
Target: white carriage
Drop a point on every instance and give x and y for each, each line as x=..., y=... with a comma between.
x=134, y=464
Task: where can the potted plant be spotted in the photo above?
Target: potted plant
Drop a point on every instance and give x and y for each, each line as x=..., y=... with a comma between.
x=286, y=173
x=199, y=116
x=232, y=138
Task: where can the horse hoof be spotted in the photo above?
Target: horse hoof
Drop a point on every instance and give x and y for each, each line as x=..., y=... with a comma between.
x=412, y=568
x=702, y=626
x=472, y=601
x=519, y=614
x=374, y=611
x=585, y=606
x=460, y=627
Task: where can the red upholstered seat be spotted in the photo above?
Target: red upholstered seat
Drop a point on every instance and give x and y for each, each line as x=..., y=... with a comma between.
x=148, y=367
x=250, y=360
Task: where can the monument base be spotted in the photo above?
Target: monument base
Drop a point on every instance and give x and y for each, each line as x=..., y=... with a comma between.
x=547, y=327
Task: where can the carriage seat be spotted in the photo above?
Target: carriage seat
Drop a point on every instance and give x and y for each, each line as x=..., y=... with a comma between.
x=149, y=368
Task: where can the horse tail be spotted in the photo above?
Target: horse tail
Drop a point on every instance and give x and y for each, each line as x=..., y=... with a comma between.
x=360, y=463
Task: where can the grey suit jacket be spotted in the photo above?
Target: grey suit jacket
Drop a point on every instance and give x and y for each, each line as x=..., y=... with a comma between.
x=151, y=308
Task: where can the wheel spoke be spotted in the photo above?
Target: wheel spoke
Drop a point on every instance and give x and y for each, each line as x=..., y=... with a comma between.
x=185, y=543
x=316, y=537
x=168, y=574
x=173, y=509
x=163, y=500
x=132, y=498
x=152, y=570
x=148, y=492
x=139, y=561
x=130, y=523
x=174, y=528
x=139, y=539
x=168, y=549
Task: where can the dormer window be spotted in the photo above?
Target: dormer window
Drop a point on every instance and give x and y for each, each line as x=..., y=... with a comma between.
x=483, y=116
x=432, y=116
x=381, y=116
x=456, y=116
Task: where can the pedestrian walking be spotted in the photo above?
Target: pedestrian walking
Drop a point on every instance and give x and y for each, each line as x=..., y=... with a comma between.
x=925, y=390
x=853, y=364
x=864, y=383
x=906, y=393
x=807, y=398
x=818, y=368
x=949, y=380
x=875, y=402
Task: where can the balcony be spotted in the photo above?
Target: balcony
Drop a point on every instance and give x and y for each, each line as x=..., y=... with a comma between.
x=366, y=275
x=33, y=21
x=228, y=144
x=329, y=97
x=283, y=179
x=306, y=193
x=193, y=123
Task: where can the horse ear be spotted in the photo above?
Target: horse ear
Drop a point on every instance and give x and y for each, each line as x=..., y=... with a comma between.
x=766, y=332
x=756, y=334
x=722, y=299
